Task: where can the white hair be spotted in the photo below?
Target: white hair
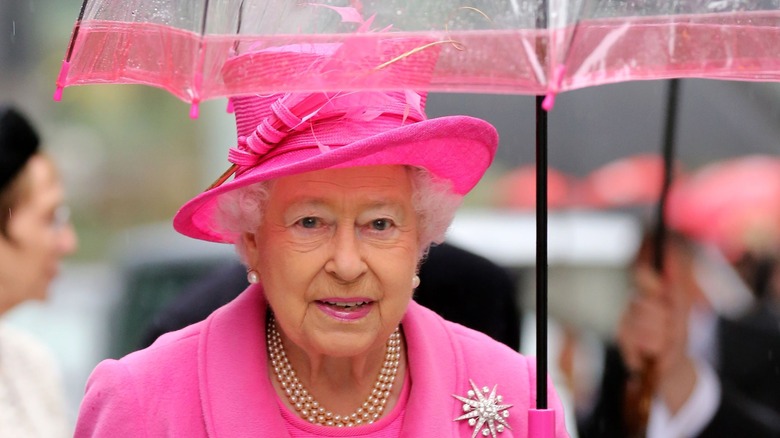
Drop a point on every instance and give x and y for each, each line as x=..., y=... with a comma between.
x=435, y=203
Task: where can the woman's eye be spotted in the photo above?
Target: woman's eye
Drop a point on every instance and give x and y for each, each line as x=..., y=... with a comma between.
x=381, y=224
x=309, y=222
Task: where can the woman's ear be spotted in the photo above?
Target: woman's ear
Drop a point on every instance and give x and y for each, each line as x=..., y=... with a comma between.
x=250, y=248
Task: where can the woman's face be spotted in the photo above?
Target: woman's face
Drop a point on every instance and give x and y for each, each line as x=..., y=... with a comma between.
x=336, y=254
x=37, y=237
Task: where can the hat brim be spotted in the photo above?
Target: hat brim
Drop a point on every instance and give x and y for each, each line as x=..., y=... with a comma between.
x=455, y=148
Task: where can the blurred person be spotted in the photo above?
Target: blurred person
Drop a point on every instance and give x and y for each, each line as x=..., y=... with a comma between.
x=34, y=235
x=773, y=289
x=761, y=270
x=448, y=276
x=756, y=334
x=672, y=321
x=335, y=201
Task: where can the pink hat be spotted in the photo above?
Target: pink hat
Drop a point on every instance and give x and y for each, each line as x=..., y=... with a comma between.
x=292, y=133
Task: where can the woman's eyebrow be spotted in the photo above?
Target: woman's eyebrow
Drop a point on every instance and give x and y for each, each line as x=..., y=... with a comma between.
x=306, y=201
x=385, y=203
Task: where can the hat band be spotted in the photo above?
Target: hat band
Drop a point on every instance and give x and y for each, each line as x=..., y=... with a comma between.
x=323, y=136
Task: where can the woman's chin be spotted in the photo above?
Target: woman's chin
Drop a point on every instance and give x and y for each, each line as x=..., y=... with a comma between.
x=348, y=344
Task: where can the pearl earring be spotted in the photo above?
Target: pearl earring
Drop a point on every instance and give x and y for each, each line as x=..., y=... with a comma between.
x=415, y=281
x=252, y=276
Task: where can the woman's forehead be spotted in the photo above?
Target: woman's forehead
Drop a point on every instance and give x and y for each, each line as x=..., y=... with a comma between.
x=45, y=186
x=352, y=178
x=368, y=186
x=387, y=170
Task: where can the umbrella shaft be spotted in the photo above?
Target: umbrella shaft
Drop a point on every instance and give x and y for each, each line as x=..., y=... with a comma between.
x=541, y=254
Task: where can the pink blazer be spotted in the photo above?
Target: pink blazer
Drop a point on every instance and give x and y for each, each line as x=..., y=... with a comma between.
x=210, y=380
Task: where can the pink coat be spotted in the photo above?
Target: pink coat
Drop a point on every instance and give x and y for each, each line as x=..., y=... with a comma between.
x=210, y=380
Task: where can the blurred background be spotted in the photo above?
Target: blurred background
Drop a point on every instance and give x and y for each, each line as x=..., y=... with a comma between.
x=131, y=156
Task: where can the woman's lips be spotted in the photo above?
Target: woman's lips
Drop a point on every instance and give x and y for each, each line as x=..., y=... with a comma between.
x=349, y=309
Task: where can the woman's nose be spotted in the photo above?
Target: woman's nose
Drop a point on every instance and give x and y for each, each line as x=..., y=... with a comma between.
x=346, y=262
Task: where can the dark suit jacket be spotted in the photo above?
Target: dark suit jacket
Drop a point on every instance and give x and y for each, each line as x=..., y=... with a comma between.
x=749, y=371
x=452, y=280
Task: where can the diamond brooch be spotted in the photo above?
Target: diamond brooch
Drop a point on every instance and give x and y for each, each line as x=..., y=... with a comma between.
x=483, y=408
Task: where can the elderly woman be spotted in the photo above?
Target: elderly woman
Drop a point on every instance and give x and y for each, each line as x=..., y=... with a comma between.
x=34, y=235
x=335, y=201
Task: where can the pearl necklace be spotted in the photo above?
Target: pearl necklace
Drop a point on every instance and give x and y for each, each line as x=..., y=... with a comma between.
x=310, y=409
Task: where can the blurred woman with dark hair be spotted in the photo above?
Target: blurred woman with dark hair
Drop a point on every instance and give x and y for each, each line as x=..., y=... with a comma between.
x=34, y=235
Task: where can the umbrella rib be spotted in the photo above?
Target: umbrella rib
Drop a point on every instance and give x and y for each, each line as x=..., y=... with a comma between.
x=575, y=31
x=76, y=31
x=204, y=18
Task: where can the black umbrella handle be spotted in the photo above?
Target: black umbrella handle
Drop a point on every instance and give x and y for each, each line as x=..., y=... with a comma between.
x=640, y=390
x=541, y=254
x=668, y=157
x=541, y=421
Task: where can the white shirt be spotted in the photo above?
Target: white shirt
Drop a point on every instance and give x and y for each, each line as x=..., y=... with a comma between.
x=701, y=406
x=32, y=404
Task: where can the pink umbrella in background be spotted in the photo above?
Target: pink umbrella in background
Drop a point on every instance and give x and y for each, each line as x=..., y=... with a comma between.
x=630, y=181
x=516, y=189
x=734, y=204
x=519, y=47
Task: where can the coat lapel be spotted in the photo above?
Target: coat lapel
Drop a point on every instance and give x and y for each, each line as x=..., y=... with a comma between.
x=236, y=395
x=435, y=366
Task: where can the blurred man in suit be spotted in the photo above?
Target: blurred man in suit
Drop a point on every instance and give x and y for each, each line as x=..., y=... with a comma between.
x=699, y=359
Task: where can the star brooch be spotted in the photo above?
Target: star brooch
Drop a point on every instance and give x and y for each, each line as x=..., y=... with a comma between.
x=483, y=408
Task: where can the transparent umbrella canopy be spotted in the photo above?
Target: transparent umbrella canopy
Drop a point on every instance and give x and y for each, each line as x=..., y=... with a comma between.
x=518, y=46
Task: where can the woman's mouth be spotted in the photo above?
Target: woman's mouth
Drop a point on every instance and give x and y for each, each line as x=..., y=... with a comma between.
x=345, y=310
x=347, y=305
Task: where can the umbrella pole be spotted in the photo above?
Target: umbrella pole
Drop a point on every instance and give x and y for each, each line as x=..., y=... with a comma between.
x=541, y=254
x=638, y=402
x=541, y=420
x=668, y=156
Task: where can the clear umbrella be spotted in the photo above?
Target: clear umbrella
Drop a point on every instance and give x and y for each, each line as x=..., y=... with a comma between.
x=518, y=46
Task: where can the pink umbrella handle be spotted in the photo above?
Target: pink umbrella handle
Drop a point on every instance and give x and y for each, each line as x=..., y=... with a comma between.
x=541, y=423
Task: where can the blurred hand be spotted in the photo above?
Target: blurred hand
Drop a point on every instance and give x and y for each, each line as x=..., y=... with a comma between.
x=654, y=329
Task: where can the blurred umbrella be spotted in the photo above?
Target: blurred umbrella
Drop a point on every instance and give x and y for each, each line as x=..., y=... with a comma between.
x=520, y=47
x=516, y=189
x=734, y=204
x=639, y=180
x=632, y=181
